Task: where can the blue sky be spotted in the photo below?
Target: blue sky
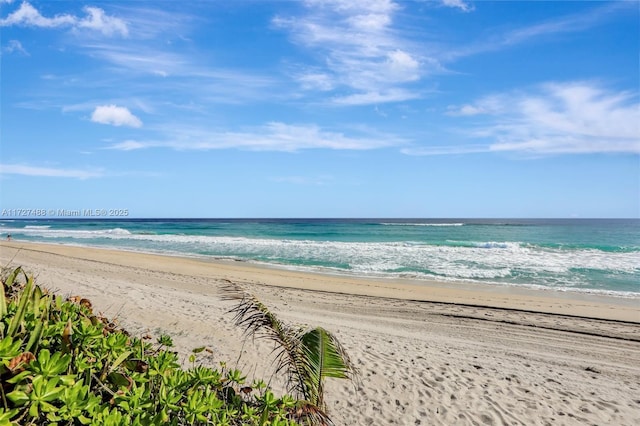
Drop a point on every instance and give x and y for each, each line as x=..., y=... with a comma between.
x=321, y=108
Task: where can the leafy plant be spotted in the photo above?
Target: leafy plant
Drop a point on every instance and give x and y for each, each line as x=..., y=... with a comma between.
x=60, y=364
x=306, y=356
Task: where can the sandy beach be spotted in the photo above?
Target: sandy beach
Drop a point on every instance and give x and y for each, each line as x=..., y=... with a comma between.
x=428, y=353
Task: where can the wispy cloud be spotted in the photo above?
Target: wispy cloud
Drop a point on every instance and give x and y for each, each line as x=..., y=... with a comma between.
x=115, y=115
x=358, y=51
x=14, y=46
x=179, y=73
x=491, y=104
x=568, y=118
x=446, y=150
x=27, y=170
x=390, y=95
x=305, y=180
x=314, y=79
x=561, y=25
x=555, y=118
x=274, y=136
x=138, y=58
x=458, y=4
x=566, y=24
x=170, y=23
x=95, y=20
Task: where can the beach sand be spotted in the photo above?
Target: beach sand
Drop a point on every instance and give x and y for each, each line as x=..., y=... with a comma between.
x=427, y=353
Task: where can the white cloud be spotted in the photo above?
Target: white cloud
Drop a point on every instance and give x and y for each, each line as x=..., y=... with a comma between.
x=130, y=145
x=394, y=95
x=464, y=110
x=569, y=118
x=25, y=170
x=316, y=81
x=460, y=4
x=403, y=65
x=107, y=25
x=486, y=105
x=358, y=50
x=274, y=136
x=28, y=15
x=15, y=46
x=555, y=118
x=370, y=21
x=96, y=19
x=115, y=115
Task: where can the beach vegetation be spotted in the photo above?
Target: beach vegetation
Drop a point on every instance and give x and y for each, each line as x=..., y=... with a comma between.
x=305, y=356
x=63, y=364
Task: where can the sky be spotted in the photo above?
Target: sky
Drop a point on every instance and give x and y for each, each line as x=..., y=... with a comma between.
x=320, y=108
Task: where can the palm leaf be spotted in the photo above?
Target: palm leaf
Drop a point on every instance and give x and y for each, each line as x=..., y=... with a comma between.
x=258, y=321
x=304, y=357
x=324, y=357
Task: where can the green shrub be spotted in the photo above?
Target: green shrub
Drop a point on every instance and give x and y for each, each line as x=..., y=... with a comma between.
x=61, y=364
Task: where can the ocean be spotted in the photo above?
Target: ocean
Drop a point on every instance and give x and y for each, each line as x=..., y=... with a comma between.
x=594, y=256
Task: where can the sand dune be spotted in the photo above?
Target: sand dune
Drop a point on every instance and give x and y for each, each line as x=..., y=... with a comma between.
x=427, y=354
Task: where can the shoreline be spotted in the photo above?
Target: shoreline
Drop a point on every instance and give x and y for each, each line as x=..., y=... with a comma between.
x=524, y=299
x=425, y=355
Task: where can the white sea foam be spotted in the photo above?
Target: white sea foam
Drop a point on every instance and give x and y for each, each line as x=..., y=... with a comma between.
x=496, y=244
x=47, y=232
x=492, y=261
x=444, y=260
x=118, y=231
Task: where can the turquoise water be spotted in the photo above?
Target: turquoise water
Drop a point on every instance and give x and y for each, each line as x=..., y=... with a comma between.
x=597, y=256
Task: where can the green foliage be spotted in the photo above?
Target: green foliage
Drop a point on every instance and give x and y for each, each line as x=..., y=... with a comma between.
x=61, y=364
x=323, y=356
x=305, y=356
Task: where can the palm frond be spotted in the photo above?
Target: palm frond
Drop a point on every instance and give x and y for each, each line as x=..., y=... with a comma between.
x=259, y=322
x=324, y=357
x=304, y=356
